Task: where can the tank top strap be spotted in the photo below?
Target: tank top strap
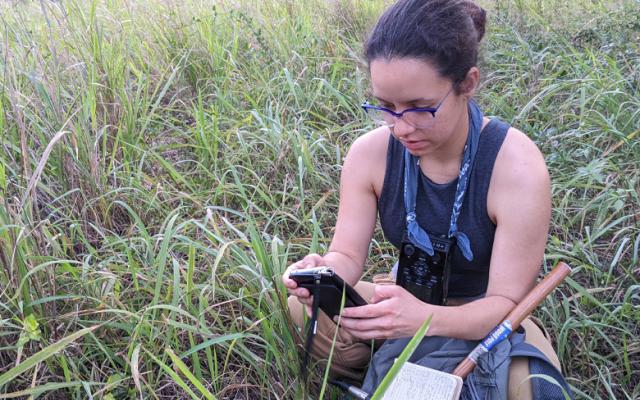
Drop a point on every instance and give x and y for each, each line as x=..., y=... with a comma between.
x=491, y=140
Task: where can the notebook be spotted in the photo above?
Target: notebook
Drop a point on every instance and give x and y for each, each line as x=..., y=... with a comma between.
x=415, y=382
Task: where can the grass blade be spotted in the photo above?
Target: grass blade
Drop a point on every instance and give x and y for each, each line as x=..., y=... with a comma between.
x=43, y=355
x=177, y=362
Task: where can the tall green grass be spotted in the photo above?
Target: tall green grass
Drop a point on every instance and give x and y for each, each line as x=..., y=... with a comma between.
x=163, y=162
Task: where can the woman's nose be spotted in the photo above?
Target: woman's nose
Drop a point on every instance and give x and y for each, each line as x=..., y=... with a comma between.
x=401, y=128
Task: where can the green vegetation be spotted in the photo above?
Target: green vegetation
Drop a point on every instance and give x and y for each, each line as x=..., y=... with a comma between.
x=162, y=163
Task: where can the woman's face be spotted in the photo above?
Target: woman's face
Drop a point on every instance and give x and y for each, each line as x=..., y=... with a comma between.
x=402, y=83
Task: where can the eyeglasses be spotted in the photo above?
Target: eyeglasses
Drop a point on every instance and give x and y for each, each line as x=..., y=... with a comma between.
x=419, y=118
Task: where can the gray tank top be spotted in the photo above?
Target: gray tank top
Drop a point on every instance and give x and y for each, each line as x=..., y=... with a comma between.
x=433, y=210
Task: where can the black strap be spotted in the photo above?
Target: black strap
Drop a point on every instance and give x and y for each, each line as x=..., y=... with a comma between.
x=311, y=330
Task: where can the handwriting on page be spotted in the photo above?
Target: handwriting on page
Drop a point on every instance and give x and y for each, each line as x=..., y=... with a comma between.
x=418, y=382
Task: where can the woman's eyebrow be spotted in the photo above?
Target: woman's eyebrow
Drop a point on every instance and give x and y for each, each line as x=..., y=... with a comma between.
x=421, y=99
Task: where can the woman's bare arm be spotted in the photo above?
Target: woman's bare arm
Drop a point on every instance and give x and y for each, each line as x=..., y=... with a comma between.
x=357, y=212
x=519, y=202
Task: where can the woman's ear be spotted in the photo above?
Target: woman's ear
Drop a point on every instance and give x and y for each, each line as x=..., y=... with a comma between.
x=470, y=83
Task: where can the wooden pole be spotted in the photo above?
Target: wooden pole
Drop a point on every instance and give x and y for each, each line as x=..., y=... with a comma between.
x=516, y=316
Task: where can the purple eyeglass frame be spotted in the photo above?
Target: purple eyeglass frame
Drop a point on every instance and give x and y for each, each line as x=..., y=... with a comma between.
x=366, y=106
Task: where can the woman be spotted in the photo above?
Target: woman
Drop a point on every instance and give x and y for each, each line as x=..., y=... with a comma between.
x=433, y=138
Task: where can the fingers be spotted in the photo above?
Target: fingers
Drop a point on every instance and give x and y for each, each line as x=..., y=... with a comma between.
x=372, y=321
x=363, y=324
x=381, y=292
x=368, y=311
x=301, y=293
x=369, y=328
x=310, y=261
x=376, y=308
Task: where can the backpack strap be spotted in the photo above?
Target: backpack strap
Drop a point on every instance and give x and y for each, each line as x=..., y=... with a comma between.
x=546, y=381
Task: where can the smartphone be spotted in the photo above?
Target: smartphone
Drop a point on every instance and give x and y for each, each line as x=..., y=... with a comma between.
x=330, y=287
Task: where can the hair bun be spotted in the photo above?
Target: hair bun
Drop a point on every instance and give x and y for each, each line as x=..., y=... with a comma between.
x=478, y=16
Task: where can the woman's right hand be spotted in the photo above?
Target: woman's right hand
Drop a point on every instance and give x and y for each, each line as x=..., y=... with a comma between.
x=303, y=295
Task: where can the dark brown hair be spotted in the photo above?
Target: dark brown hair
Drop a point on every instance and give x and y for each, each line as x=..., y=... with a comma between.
x=446, y=33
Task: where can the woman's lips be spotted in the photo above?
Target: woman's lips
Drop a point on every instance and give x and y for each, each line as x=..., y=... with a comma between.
x=413, y=144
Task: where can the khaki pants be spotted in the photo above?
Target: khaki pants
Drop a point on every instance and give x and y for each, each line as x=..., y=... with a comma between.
x=351, y=356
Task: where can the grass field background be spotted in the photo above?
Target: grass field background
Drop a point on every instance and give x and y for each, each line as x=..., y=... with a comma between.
x=163, y=162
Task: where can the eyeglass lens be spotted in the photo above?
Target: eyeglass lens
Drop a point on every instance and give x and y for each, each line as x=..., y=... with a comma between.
x=418, y=119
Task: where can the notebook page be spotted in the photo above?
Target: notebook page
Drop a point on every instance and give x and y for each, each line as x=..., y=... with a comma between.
x=415, y=382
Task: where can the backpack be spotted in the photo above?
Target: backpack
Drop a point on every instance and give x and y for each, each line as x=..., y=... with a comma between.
x=489, y=380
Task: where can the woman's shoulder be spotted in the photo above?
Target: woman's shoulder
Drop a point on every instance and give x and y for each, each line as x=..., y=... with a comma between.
x=368, y=153
x=519, y=155
x=519, y=172
x=374, y=142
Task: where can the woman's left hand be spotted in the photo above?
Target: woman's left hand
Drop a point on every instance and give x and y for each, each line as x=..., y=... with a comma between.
x=394, y=313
